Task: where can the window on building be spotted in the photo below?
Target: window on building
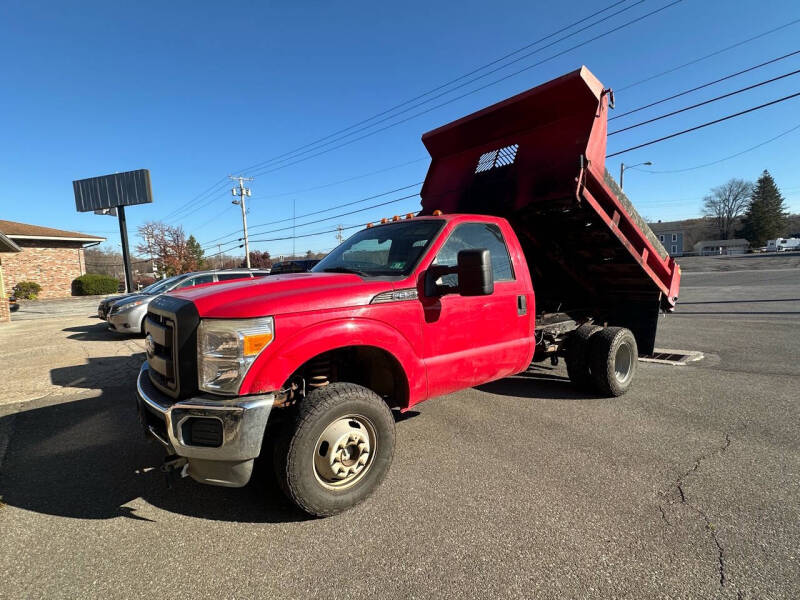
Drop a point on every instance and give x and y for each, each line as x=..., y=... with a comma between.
x=674, y=237
x=661, y=239
x=674, y=249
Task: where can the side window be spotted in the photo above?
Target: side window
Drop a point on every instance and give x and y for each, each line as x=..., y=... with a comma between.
x=476, y=235
x=232, y=276
x=193, y=281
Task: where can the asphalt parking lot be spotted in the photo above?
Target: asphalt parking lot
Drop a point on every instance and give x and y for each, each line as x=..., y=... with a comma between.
x=686, y=487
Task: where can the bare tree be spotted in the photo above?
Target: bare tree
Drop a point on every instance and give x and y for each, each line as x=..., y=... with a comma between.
x=726, y=203
x=170, y=248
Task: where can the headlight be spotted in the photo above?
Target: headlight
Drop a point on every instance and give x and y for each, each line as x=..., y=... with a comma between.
x=123, y=307
x=226, y=348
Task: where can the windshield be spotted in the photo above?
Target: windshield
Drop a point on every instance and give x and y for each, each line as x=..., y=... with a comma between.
x=393, y=249
x=146, y=289
x=162, y=286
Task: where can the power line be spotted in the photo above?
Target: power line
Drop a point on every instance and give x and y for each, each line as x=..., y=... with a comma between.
x=702, y=125
x=333, y=183
x=310, y=147
x=699, y=104
x=707, y=56
x=473, y=91
x=306, y=235
x=705, y=85
x=716, y=162
x=352, y=212
x=219, y=182
x=324, y=210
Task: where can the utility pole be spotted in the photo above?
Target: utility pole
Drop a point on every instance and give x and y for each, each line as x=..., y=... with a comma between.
x=339, y=236
x=242, y=192
x=294, y=235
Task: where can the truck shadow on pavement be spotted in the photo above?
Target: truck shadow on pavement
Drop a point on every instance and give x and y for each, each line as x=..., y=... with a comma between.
x=540, y=381
x=96, y=332
x=88, y=459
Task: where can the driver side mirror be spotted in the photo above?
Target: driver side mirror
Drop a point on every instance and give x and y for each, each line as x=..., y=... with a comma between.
x=474, y=270
x=475, y=277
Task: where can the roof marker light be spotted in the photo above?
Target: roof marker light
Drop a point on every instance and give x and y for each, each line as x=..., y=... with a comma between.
x=395, y=218
x=437, y=213
x=369, y=225
x=410, y=216
x=383, y=220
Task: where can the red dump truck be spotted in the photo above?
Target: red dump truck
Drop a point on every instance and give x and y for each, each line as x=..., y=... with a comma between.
x=524, y=250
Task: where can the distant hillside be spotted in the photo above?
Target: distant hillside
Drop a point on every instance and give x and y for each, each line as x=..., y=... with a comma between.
x=696, y=230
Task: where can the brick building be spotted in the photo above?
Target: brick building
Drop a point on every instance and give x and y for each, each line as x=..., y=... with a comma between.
x=6, y=246
x=50, y=257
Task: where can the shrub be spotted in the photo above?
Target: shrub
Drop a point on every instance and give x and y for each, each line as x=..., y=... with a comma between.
x=94, y=285
x=27, y=290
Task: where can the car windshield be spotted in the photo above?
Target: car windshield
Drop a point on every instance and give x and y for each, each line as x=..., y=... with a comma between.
x=162, y=286
x=146, y=289
x=393, y=249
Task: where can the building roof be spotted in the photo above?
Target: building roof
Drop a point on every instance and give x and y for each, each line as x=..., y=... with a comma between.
x=7, y=245
x=24, y=231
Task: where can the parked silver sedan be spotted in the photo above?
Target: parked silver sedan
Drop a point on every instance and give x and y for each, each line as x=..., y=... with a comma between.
x=128, y=313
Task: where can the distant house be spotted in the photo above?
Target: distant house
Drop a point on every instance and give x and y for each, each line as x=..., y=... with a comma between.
x=671, y=235
x=720, y=247
x=6, y=247
x=50, y=257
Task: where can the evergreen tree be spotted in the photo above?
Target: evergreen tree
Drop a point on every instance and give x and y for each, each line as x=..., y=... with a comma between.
x=194, y=255
x=766, y=215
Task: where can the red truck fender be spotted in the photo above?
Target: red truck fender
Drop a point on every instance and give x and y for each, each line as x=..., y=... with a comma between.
x=283, y=357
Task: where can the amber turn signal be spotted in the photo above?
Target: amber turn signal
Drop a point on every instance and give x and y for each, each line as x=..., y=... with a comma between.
x=253, y=344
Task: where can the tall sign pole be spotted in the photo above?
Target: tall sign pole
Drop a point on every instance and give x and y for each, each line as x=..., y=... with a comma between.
x=243, y=192
x=126, y=255
x=110, y=194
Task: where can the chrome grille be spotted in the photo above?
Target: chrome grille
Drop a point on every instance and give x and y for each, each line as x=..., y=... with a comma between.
x=171, y=342
x=159, y=344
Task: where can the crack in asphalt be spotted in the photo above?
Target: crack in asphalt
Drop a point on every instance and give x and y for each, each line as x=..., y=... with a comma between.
x=723, y=577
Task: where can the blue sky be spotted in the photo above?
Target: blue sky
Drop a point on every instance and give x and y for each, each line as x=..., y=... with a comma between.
x=194, y=91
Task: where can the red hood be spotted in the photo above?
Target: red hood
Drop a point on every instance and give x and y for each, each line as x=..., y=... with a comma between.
x=282, y=294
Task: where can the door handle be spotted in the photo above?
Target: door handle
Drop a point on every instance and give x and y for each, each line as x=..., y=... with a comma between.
x=522, y=305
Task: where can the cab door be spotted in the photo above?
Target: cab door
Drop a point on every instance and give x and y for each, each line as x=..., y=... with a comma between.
x=471, y=340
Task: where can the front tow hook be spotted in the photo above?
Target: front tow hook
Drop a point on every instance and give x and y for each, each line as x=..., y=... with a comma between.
x=172, y=463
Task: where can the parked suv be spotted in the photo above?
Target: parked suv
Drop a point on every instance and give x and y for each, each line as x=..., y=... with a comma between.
x=127, y=314
x=293, y=266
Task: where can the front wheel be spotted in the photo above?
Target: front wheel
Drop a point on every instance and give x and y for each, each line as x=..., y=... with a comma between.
x=337, y=449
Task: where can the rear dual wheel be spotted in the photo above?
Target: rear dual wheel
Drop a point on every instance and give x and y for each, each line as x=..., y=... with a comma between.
x=603, y=360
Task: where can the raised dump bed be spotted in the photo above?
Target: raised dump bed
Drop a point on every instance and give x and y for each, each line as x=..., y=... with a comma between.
x=538, y=159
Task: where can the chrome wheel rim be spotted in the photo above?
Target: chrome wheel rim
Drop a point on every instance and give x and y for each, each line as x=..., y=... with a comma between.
x=344, y=452
x=623, y=363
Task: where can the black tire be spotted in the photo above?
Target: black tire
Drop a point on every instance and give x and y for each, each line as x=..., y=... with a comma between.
x=297, y=446
x=614, y=357
x=578, y=367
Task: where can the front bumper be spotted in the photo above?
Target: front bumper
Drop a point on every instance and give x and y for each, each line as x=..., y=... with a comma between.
x=242, y=422
x=128, y=321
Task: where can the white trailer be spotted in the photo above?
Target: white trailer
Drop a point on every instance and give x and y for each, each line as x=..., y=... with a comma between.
x=783, y=244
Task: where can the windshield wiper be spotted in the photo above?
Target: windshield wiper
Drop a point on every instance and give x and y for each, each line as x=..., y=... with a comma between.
x=346, y=270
